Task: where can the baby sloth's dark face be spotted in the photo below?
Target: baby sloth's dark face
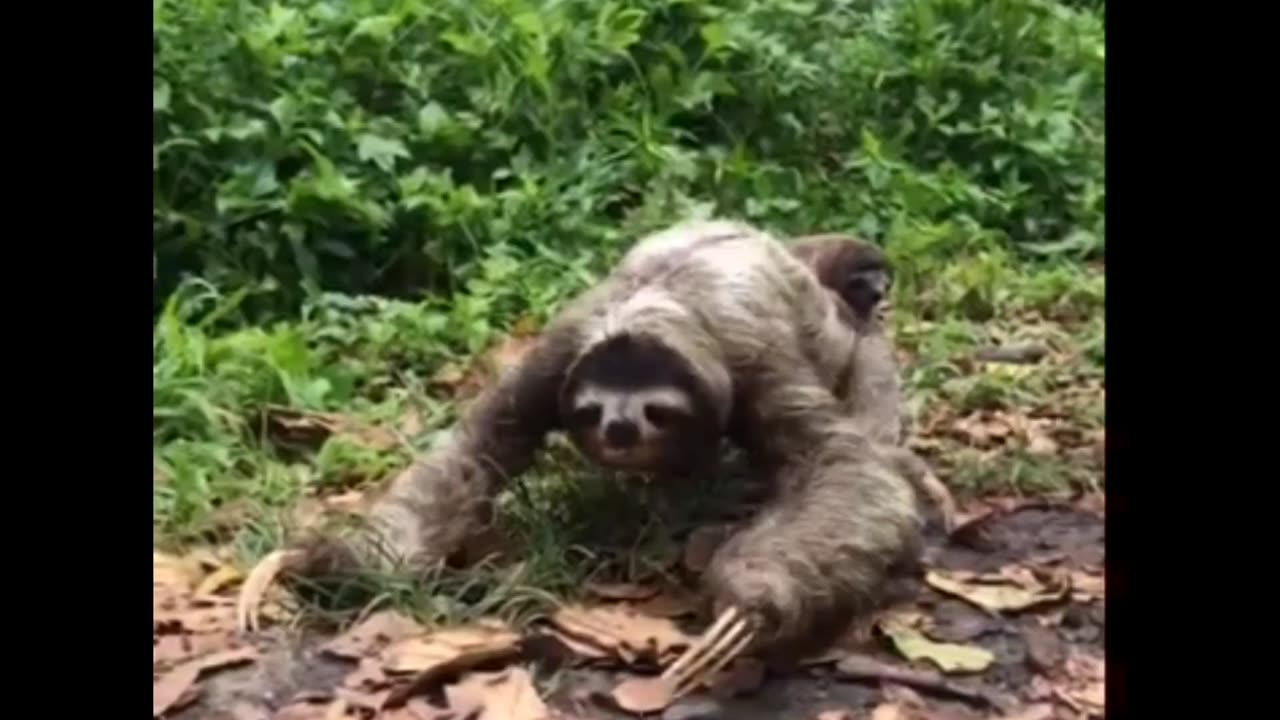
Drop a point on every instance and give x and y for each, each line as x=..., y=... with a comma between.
x=643, y=430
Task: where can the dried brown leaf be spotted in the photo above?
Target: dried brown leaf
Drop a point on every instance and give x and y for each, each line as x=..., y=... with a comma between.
x=374, y=633
x=643, y=695
x=622, y=630
x=1037, y=711
x=743, y=676
x=452, y=647
x=173, y=689
x=667, y=605
x=505, y=695
x=621, y=591
x=948, y=657
x=219, y=579
x=581, y=648
x=894, y=711
x=1087, y=587
x=169, y=650
x=443, y=653
x=1012, y=589
x=835, y=715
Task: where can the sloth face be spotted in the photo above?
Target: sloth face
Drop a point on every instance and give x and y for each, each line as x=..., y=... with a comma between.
x=639, y=429
x=865, y=287
x=631, y=403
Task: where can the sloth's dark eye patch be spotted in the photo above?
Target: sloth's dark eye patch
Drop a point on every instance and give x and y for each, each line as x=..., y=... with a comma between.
x=585, y=415
x=661, y=417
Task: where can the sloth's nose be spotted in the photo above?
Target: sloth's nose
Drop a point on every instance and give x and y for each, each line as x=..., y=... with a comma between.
x=621, y=434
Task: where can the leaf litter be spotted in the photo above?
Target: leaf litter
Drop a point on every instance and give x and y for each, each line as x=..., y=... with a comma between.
x=632, y=627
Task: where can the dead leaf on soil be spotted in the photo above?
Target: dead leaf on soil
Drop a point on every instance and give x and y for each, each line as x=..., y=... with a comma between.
x=445, y=652
x=1037, y=711
x=621, y=591
x=623, y=631
x=174, y=688
x=667, y=605
x=835, y=715
x=219, y=579
x=1087, y=587
x=743, y=676
x=1012, y=589
x=895, y=711
x=453, y=648
x=374, y=633
x=948, y=657
x=309, y=428
x=505, y=695
x=582, y=650
x=1085, y=682
x=643, y=695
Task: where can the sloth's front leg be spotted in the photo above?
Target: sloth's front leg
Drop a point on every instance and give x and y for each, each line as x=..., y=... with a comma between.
x=815, y=558
x=445, y=497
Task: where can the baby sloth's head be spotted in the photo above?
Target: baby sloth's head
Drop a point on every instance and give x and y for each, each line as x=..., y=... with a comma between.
x=632, y=403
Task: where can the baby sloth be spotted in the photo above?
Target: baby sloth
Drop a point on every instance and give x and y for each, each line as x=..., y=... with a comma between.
x=707, y=330
x=860, y=275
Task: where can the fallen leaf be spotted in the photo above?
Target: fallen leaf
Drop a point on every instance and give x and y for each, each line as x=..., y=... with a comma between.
x=582, y=649
x=622, y=630
x=667, y=605
x=835, y=715
x=173, y=688
x=218, y=579
x=902, y=695
x=453, y=647
x=171, y=572
x=1087, y=681
x=171, y=649
x=375, y=632
x=301, y=711
x=1037, y=711
x=893, y=711
x=241, y=710
x=1087, y=587
x=367, y=676
x=743, y=676
x=948, y=657
x=1045, y=650
x=621, y=591
x=505, y=695
x=361, y=699
x=1008, y=590
x=442, y=653
x=643, y=695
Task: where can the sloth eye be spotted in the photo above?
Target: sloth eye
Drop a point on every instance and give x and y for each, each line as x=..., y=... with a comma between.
x=586, y=415
x=659, y=416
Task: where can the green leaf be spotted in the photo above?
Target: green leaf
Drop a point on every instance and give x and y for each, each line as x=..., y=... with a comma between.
x=432, y=118
x=378, y=27
x=160, y=94
x=949, y=657
x=381, y=151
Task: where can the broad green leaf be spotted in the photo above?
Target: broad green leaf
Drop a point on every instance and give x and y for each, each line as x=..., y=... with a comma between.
x=160, y=94
x=949, y=657
x=381, y=151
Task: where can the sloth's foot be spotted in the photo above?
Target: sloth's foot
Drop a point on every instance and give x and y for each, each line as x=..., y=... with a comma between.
x=727, y=637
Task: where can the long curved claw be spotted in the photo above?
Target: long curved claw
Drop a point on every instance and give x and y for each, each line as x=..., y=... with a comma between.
x=727, y=637
x=256, y=584
x=941, y=497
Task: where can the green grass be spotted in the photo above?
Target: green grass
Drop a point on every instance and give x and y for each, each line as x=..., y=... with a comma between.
x=351, y=196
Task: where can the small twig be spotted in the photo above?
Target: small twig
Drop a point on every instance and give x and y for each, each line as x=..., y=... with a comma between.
x=862, y=667
x=1014, y=354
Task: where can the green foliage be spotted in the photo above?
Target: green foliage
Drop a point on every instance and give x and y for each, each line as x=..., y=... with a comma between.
x=350, y=195
x=392, y=146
